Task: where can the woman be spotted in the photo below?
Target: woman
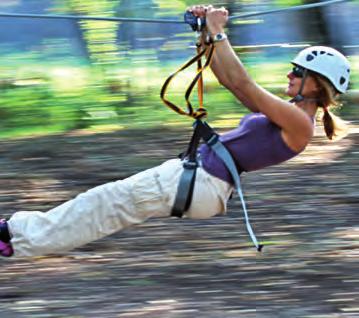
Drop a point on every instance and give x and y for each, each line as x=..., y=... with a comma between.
x=276, y=131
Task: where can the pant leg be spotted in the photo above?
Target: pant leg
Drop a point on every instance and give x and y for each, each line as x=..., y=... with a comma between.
x=92, y=215
x=111, y=207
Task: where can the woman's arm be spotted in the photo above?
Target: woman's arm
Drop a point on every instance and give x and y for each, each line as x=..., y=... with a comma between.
x=297, y=128
x=221, y=76
x=216, y=66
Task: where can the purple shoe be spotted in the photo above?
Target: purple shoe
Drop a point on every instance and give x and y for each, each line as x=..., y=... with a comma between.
x=6, y=249
x=5, y=245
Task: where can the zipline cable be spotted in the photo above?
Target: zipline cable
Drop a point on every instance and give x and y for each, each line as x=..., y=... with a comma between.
x=121, y=19
x=293, y=8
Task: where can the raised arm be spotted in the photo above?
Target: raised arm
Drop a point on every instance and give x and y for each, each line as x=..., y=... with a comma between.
x=221, y=76
x=297, y=128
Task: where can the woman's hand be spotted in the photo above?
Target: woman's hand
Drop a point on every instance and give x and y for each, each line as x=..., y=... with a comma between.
x=216, y=19
x=199, y=10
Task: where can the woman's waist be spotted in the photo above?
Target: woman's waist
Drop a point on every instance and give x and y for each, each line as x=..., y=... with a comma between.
x=215, y=166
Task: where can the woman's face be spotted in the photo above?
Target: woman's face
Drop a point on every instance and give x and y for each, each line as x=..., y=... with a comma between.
x=295, y=77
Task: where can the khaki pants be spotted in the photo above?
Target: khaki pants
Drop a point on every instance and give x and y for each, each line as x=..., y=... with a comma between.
x=111, y=207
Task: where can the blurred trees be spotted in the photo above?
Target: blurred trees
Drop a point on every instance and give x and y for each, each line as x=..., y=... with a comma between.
x=315, y=28
x=100, y=36
x=44, y=85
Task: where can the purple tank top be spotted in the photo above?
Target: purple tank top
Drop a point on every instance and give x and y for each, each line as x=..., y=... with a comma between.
x=255, y=144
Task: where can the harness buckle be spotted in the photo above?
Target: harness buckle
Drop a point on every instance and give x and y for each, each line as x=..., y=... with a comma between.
x=211, y=141
x=187, y=164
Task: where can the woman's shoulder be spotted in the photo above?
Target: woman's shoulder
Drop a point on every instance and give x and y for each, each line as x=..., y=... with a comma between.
x=253, y=123
x=254, y=118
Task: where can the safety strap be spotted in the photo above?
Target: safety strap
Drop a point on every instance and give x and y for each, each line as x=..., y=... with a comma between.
x=201, y=130
x=222, y=152
x=188, y=177
x=185, y=189
x=187, y=180
x=212, y=140
x=200, y=90
x=200, y=112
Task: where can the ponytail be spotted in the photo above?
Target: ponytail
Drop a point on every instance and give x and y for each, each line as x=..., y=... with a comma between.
x=328, y=123
x=335, y=128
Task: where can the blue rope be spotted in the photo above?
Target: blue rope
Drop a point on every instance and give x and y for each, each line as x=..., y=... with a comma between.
x=120, y=19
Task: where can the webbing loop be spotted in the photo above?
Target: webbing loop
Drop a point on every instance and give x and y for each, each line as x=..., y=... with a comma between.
x=212, y=140
x=200, y=112
x=226, y=157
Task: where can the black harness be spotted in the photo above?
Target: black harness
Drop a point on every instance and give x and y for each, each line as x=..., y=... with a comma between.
x=190, y=164
x=202, y=131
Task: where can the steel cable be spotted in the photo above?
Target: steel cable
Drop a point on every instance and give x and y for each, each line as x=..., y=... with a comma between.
x=122, y=19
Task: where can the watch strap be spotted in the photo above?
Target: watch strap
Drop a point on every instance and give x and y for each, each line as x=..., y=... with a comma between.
x=218, y=37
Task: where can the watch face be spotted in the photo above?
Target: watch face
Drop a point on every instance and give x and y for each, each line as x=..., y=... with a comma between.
x=219, y=37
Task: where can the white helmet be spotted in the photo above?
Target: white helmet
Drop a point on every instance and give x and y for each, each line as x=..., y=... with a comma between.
x=327, y=62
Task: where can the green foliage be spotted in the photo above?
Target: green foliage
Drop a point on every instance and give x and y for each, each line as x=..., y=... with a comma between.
x=37, y=107
x=48, y=98
x=63, y=99
x=171, y=7
x=100, y=36
x=288, y=3
x=120, y=88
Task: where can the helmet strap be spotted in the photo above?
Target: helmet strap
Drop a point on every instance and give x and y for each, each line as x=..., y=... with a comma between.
x=299, y=97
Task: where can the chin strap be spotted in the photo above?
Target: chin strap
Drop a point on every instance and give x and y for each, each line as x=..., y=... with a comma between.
x=299, y=97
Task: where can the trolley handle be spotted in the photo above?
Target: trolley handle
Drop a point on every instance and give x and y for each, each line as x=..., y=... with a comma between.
x=196, y=23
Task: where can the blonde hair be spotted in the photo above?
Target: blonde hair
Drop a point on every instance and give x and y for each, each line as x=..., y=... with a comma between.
x=335, y=128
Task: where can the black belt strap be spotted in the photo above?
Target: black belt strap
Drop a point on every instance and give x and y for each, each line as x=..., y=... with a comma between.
x=190, y=164
x=185, y=189
x=186, y=184
x=188, y=177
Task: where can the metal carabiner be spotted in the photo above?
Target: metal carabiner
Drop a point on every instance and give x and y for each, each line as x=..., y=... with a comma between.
x=192, y=20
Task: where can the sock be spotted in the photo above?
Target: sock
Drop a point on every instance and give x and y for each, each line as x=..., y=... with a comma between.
x=4, y=232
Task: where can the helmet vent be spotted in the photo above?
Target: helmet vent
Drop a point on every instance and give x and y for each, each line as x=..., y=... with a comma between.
x=330, y=54
x=342, y=80
x=315, y=53
x=310, y=58
x=322, y=52
x=348, y=70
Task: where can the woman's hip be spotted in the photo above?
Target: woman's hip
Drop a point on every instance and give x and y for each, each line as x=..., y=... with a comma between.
x=210, y=194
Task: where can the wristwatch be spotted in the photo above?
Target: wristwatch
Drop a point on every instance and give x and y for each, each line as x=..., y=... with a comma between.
x=219, y=37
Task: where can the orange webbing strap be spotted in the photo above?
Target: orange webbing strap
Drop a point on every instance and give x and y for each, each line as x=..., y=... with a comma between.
x=200, y=112
x=200, y=81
